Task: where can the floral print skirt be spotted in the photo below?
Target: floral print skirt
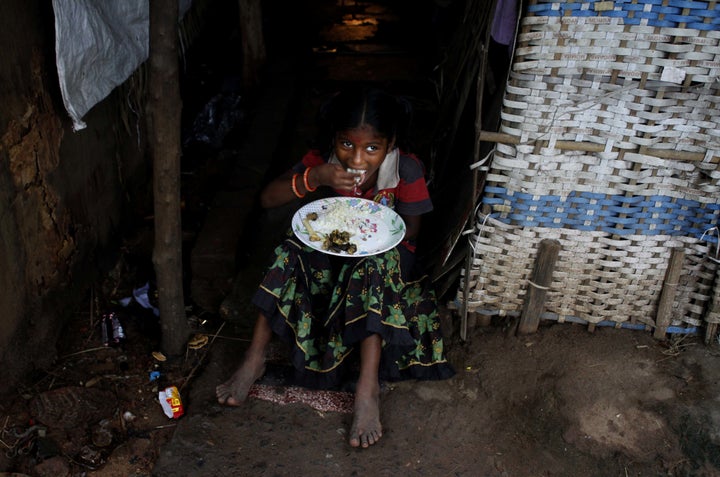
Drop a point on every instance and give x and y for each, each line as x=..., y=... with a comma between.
x=324, y=306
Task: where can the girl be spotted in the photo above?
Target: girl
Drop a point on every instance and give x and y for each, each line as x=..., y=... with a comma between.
x=332, y=309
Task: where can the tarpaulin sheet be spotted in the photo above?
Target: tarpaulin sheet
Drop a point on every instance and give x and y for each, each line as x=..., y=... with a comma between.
x=98, y=45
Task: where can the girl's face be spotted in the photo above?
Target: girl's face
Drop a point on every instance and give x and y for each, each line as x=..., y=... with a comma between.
x=362, y=149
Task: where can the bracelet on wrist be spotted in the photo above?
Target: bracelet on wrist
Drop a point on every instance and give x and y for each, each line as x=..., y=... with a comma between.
x=306, y=183
x=293, y=183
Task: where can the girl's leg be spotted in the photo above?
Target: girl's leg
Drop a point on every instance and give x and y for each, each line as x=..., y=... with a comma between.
x=234, y=391
x=366, y=429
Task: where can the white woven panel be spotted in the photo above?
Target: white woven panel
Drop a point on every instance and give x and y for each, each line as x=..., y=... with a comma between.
x=636, y=90
x=596, y=279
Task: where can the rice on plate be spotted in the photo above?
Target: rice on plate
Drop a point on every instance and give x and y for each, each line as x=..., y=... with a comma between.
x=333, y=224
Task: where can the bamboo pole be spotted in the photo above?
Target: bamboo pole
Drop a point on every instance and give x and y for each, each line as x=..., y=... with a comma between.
x=476, y=186
x=469, y=256
x=584, y=146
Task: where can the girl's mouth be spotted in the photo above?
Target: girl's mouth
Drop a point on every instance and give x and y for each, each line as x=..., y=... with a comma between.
x=359, y=178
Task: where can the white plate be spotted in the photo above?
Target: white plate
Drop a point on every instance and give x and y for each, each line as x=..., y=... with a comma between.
x=382, y=228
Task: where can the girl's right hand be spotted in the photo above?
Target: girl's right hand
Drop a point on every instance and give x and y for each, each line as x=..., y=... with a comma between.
x=335, y=176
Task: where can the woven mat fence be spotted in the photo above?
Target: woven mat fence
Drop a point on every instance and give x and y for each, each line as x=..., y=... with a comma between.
x=609, y=144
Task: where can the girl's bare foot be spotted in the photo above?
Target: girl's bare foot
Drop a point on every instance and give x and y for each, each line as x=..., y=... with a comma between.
x=366, y=429
x=234, y=391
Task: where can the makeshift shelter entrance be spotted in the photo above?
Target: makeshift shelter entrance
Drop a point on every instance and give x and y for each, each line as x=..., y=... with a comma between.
x=608, y=147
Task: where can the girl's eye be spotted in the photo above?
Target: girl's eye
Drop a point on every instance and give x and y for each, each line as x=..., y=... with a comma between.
x=372, y=148
x=346, y=144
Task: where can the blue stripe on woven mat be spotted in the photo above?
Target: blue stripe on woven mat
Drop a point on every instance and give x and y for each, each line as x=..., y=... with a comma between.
x=665, y=10
x=634, y=13
x=703, y=26
x=618, y=215
x=688, y=4
x=683, y=18
x=707, y=13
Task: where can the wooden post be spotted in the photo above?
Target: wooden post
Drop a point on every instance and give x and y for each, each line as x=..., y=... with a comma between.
x=712, y=316
x=254, y=54
x=538, y=285
x=165, y=106
x=484, y=320
x=669, y=289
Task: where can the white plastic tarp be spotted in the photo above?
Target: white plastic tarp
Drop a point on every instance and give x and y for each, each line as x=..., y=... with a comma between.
x=98, y=45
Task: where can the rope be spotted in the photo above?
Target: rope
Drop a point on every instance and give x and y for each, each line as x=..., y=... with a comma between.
x=539, y=287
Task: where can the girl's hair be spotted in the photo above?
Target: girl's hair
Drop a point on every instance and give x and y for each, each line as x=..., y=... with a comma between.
x=389, y=115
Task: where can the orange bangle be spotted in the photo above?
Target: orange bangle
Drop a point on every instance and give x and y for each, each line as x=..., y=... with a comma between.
x=294, y=187
x=305, y=181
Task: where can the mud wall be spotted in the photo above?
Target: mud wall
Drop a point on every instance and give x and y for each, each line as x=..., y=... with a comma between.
x=64, y=195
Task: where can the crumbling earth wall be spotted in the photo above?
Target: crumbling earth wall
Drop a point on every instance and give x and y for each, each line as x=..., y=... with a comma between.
x=63, y=194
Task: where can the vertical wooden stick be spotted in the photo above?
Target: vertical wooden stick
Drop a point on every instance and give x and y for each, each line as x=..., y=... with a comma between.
x=538, y=285
x=468, y=266
x=669, y=289
x=712, y=316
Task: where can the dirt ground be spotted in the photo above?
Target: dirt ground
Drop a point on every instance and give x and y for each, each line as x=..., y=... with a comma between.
x=561, y=402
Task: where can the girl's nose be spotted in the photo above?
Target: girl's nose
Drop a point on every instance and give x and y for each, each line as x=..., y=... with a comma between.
x=356, y=159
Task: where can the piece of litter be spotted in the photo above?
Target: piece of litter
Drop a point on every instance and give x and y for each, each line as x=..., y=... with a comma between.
x=171, y=402
x=672, y=75
x=198, y=341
